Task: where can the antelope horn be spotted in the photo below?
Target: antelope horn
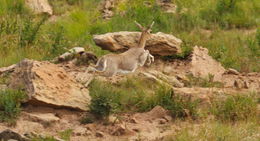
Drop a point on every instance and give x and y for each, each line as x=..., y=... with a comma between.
x=151, y=25
x=139, y=25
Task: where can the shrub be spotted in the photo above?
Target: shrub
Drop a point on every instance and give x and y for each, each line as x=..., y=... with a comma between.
x=131, y=95
x=234, y=108
x=103, y=101
x=10, y=102
x=179, y=106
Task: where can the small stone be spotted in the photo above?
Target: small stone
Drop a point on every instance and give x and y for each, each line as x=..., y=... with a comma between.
x=246, y=84
x=119, y=130
x=136, y=130
x=238, y=83
x=113, y=119
x=80, y=131
x=232, y=71
x=133, y=120
x=168, y=118
x=99, y=134
x=162, y=121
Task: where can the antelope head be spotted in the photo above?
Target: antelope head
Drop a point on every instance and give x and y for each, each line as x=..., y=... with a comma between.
x=146, y=33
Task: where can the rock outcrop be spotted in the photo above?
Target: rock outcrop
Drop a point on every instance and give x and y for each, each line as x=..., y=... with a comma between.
x=40, y=6
x=202, y=65
x=9, y=135
x=48, y=84
x=7, y=69
x=167, y=6
x=107, y=6
x=159, y=44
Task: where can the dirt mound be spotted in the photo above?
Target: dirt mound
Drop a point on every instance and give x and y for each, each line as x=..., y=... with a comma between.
x=202, y=64
x=46, y=83
x=159, y=44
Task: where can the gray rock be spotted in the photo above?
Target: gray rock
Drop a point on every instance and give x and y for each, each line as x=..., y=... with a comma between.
x=159, y=44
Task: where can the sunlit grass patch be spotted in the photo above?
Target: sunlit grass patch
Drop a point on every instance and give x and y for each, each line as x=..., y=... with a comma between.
x=235, y=108
x=216, y=131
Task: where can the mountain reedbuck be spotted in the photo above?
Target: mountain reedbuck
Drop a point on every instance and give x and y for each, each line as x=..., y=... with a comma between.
x=128, y=61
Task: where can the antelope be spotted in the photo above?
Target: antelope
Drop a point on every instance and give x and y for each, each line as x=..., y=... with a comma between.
x=128, y=61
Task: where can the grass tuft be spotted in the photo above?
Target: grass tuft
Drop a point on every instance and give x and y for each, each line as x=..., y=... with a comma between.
x=10, y=102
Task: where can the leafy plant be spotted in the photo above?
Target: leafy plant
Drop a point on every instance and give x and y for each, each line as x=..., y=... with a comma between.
x=10, y=102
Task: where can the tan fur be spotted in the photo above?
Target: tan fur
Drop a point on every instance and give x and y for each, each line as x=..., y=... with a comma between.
x=110, y=64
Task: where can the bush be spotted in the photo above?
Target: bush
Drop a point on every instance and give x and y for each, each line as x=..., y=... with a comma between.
x=132, y=95
x=179, y=106
x=103, y=101
x=234, y=108
x=10, y=102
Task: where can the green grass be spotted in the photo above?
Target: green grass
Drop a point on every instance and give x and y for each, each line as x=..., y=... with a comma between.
x=132, y=96
x=218, y=131
x=10, y=102
x=235, y=108
x=229, y=25
x=202, y=82
x=65, y=135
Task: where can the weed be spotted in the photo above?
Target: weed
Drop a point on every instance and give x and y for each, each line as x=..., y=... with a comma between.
x=10, y=102
x=29, y=31
x=65, y=135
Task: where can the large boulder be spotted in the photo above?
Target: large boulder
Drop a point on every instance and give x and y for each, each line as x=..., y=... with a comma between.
x=48, y=84
x=159, y=44
x=202, y=65
x=40, y=6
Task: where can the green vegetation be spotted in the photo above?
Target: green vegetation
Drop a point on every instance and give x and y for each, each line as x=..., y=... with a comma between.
x=10, y=102
x=5, y=78
x=131, y=96
x=218, y=131
x=65, y=135
x=234, y=108
x=202, y=82
x=226, y=27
